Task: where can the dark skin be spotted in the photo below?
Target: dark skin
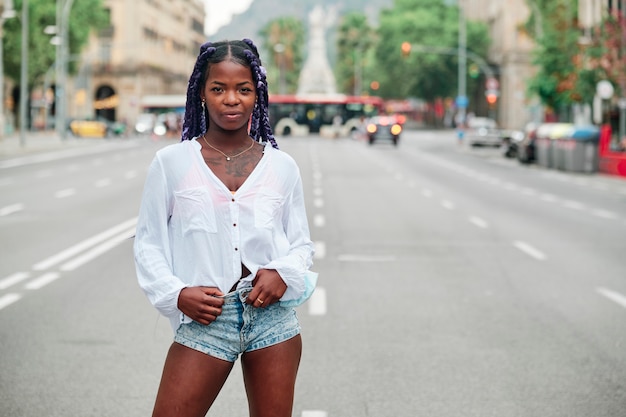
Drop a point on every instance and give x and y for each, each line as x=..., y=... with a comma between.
x=192, y=380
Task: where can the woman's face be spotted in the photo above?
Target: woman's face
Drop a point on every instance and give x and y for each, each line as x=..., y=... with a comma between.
x=230, y=95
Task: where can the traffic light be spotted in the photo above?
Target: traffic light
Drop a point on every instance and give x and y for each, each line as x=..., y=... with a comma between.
x=406, y=49
x=492, y=97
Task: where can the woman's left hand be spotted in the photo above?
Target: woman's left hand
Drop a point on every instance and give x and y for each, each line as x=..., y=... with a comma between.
x=267, y=288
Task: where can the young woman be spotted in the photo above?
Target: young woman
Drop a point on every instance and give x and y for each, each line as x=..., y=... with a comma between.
x=222, y=242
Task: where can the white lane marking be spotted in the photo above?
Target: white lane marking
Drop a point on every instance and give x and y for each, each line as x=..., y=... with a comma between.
x=13, y=279
x=574, y=205
x=427, y=193
x=447, y=204
x=65, y=193
x=13, y=208
x=529, y=250
x=605, y=214
x=319, y=220
x=314, y=413
x=317, y=176
x=318, y=202
x=320, y=250
x=104, y=182
x=130, y=174
x=94, y=240
x=477, y=221
x=398, y=176
x=97, y=251
x=8, y=299
x=349, y=257
x=549, y=197
x=317, y=302
x=42, y=281
x=612, y=295
x=318, y=191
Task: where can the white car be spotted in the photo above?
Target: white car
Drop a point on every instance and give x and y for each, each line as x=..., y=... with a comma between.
x=483, y=131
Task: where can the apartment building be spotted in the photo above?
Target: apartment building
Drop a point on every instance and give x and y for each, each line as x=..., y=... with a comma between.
x=148, y=50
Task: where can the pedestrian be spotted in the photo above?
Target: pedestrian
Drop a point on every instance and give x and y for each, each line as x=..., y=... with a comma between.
x=222, y=246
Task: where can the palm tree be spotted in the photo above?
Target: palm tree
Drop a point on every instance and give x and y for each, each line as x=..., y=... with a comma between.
x=283, y=38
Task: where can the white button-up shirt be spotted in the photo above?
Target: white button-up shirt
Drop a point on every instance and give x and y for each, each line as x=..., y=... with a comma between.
x=192, y=231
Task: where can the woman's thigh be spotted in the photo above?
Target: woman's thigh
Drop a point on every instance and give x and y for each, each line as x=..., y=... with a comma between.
x=270, y=377
x=190, y=382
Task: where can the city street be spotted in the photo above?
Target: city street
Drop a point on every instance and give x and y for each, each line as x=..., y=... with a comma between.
x=452, y=282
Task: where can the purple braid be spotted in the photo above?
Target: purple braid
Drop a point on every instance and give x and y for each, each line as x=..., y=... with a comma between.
x=242, y=52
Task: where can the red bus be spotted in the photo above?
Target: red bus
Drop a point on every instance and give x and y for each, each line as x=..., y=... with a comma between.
x=329, y=115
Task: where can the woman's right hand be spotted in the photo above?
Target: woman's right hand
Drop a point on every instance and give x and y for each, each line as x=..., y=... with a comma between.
x=201, y=304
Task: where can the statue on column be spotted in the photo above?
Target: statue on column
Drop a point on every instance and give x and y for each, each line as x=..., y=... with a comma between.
x=316, y=76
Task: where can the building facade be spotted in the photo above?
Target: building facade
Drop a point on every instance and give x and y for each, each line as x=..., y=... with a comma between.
x=511, y=49
x=148, y=50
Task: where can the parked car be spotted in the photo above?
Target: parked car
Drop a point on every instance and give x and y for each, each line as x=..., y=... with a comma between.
x=96, y=128
x=483, y=131
x=383, y=128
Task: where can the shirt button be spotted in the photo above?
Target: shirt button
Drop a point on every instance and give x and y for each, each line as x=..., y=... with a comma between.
x=236, y=249
x=232, y=200
x=234, y=224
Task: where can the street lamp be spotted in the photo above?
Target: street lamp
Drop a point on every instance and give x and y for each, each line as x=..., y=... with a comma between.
x=279, y=48
x=7, y=13
x=24, y=74
x=62, y=26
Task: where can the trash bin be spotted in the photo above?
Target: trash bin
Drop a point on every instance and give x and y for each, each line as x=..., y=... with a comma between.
x=548, y=135
x=581, y=152
x=559, y=134
x=543, y=146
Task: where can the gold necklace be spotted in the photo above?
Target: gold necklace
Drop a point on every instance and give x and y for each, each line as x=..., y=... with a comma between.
x=228, y=158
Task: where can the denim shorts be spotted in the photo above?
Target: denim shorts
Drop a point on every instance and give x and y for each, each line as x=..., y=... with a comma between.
x=240, y=328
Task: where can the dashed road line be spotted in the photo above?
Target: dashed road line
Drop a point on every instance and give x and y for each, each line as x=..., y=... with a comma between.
x=13, y=279
x=477, y=221
x=317, y=302
x=320, y=250
x=68, y=192
x=9, y=299
x=13, y=208
x=42, y=281
x=81, y=246
x=529, y=250
x=319, y=220
x=612, y=295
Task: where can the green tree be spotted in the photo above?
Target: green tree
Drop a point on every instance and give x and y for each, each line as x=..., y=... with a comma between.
x=427, y=75
x=85, y=15
x=558, y=58
x=355, y=40
x=283, y=38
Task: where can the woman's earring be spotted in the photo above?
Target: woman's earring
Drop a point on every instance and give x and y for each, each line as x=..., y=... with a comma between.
x=203, y=106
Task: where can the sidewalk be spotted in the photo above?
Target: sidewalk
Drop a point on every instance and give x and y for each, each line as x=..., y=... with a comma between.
x=41, y=141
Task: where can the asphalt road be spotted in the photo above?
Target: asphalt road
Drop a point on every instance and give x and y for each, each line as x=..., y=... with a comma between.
x=453, y=282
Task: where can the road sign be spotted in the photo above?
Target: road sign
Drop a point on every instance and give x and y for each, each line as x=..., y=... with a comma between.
x=492, y=84
x=462, y=102
x=604, y=89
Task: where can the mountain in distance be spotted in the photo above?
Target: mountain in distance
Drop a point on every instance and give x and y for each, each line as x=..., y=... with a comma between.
x=249, y=23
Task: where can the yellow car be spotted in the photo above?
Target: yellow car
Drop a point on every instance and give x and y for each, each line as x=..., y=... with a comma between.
x=97, y=128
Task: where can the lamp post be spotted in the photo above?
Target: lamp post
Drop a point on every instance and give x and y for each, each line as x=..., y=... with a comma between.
x=462, y=98
x=62, y=26
x=24, y=75
x=6, y=13
x=279, y=48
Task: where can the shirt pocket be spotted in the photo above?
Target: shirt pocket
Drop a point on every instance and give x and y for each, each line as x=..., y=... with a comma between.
x=195, y=211
x=267, y=206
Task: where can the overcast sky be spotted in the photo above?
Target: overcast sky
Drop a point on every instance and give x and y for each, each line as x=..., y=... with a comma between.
x=220, y=12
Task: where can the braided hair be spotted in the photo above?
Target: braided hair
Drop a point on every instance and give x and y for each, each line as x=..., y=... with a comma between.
x=242, y=52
